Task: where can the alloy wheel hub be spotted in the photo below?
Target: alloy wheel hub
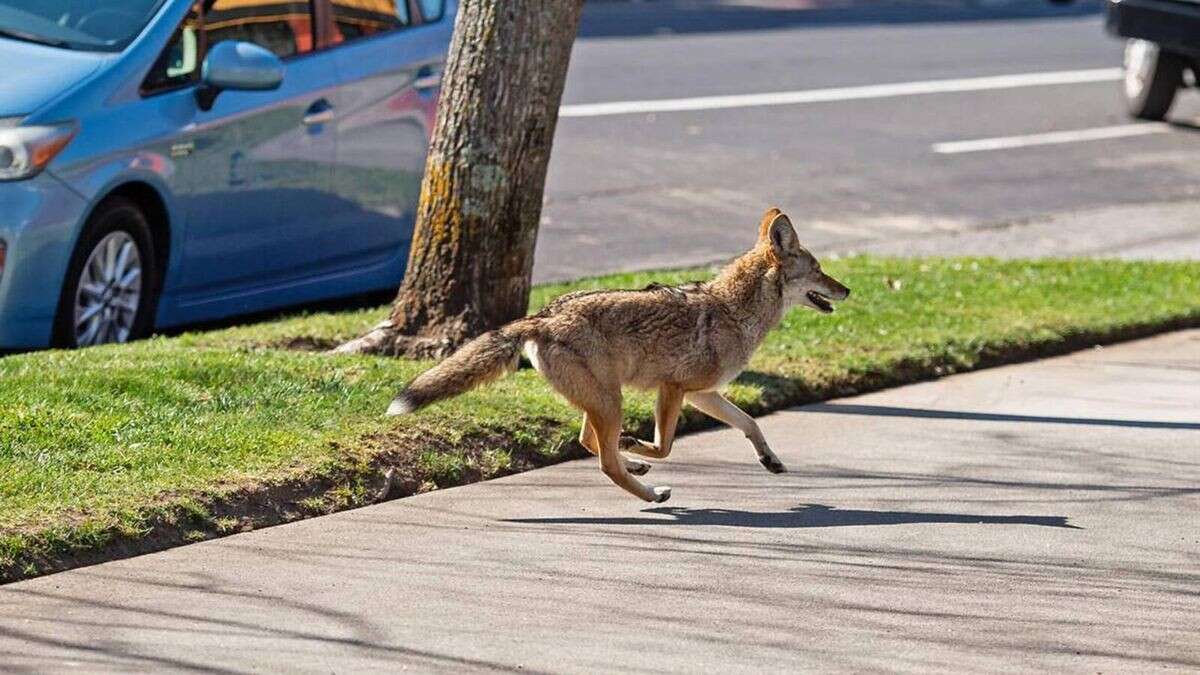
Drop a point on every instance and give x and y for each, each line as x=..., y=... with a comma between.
x=109, y=292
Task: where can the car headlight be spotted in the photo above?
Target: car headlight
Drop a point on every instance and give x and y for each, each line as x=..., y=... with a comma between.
x=25, y=151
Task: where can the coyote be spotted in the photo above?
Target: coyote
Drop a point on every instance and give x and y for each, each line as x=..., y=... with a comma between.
x=686, y=342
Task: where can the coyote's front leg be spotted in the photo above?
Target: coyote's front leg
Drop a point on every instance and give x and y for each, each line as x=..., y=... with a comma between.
x=718, y=407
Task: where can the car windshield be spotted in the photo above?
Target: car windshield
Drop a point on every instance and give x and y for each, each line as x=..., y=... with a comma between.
x=107, y=25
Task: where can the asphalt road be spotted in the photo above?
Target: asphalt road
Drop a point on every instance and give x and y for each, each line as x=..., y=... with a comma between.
x=1031, y=518
x=646, y=189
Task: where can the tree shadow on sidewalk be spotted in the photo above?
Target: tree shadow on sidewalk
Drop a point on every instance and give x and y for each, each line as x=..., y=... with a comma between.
x=799, y=517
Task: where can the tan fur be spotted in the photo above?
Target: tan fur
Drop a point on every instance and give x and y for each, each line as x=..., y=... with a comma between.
x=684, y=342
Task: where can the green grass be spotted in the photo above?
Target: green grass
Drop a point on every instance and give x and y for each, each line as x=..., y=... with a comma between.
x=174, y=439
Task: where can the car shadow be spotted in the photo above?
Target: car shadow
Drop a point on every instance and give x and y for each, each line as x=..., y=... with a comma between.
x=605, y=19
x=798, y=517
x=1184, y=125
x=351, y=303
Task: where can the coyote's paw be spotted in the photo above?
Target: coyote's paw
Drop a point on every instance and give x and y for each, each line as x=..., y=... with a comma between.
x=637, y=467
x=662, y=494
x=628, y=442
x=772, y=463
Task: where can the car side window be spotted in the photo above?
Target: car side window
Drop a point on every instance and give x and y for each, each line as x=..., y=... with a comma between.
x=353, y=19
x=179, y=63
x=432, y=10
x=284, y=27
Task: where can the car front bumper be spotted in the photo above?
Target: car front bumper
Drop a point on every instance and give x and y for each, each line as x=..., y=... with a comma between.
x=1174, y=25
x=39, y=220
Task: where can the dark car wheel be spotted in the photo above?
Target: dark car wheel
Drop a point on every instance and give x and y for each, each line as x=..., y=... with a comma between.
x=110, y=292
x=1152, y=76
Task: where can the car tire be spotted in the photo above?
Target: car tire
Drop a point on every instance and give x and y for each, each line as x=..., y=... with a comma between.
x=115, y=242
x=1152, y=76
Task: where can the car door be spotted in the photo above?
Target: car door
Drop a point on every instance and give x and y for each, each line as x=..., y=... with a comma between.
x=390, y=56
x=263, y=162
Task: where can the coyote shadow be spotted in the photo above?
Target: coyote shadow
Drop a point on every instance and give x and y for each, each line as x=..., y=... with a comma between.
x=799, y=517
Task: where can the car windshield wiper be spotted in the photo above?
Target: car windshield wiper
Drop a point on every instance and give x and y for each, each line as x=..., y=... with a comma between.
x=30, y=37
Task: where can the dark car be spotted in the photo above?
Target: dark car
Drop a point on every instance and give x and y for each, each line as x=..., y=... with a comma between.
x=1162, y=51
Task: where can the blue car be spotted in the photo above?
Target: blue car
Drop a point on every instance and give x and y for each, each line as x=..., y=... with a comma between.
x=168, y=162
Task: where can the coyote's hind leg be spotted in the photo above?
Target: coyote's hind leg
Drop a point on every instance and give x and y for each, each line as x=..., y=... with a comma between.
x=588, y=439
x=608, y=429
x=666, y=419
x=601, y=401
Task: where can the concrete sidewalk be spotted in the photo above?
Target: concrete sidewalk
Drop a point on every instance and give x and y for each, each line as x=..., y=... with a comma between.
x=1033, y=517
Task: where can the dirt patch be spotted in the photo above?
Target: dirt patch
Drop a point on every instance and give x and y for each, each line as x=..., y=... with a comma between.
x=381, y=467
x=305, y=343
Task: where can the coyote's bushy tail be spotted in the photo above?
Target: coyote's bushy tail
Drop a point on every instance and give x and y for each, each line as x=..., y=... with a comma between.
x=486, y=358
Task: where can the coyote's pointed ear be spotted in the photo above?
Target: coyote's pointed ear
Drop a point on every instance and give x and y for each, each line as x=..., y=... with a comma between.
x=764, y=225
x=780, y=233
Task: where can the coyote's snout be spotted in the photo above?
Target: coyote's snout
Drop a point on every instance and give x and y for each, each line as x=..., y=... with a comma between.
x=686, y=342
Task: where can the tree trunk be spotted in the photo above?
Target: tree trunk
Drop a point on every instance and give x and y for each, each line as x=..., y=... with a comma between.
x=481, y=199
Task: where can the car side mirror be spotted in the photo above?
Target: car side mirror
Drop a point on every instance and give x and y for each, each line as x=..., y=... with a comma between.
x=237, y=66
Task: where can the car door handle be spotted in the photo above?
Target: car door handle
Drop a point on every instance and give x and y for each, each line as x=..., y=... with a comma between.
x=428, y=78
x=319, y=113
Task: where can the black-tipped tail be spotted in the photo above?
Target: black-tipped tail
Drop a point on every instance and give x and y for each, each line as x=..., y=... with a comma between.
x=402, y=405
x=480, y=361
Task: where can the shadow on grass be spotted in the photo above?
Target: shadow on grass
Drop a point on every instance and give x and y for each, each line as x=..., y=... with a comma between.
x=800, y=517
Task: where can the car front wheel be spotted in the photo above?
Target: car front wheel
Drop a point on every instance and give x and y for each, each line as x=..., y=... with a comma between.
x=1152, y=76
x=108, y=295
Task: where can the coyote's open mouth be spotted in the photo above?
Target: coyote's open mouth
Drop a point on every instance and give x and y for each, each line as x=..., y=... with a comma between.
x=819, y=301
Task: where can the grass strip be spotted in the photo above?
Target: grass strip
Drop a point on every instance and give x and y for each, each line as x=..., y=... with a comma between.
x=119, y=450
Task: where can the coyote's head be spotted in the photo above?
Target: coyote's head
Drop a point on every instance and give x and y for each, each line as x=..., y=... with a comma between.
x=803, y=281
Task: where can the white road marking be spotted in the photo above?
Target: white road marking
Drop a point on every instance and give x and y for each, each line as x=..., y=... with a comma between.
x=842, y=93
x=1051, y=138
